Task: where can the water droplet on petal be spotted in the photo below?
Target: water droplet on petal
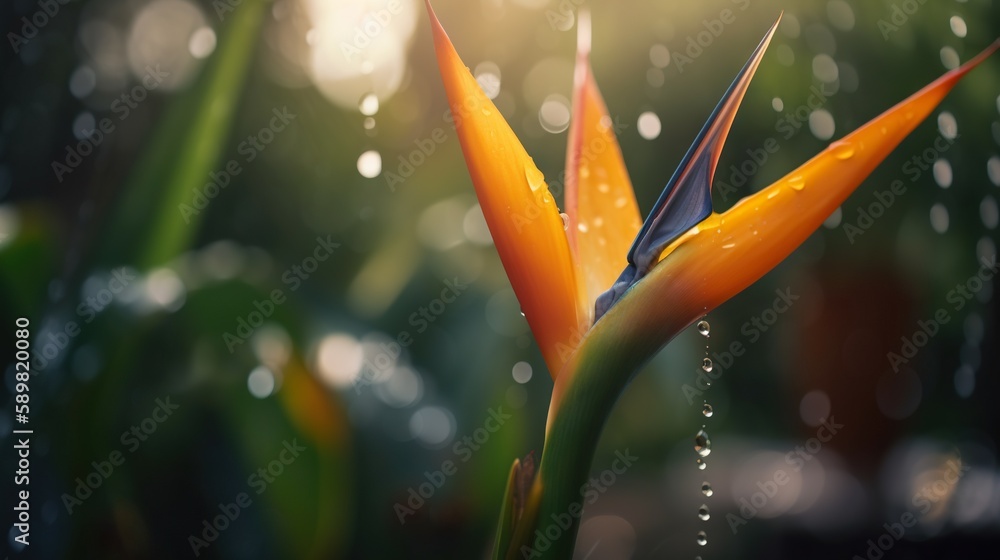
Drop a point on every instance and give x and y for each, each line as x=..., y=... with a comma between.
x=703, y=513
x=706, y=489
x=706, y=364
x=707, y=410
x=702, y=538
x=843, y=150
x=797, y=182
x=565, y=220
x=702, y=445
x=704, y=328
x=534, y=177
x=701, y=464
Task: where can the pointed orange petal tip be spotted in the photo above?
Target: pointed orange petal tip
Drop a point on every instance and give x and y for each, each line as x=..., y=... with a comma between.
x=600, y=202
x=521, y=213
x=727, y=252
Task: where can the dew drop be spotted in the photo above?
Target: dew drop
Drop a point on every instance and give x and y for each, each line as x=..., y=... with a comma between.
x=797, y=183
x=843, y=150
x=565, y=220
x=707, y=410
x=706, y=489
x=702, y=445
x=534, y=177
x=703, y=513
x=701, y=464
x=704, y=328
x=702, y=538
x=706, y=364
x=603, y=188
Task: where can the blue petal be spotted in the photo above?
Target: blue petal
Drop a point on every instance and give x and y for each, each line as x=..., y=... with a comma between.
x=687, y=198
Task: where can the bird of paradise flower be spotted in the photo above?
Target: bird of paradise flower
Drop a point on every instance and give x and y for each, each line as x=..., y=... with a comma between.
x=603, y=291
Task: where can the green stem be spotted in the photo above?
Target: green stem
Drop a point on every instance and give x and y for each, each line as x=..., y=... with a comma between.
x=569, y=450
x=584, y=396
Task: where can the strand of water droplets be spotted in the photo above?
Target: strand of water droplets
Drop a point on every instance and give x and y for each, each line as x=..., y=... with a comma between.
x=702, y=443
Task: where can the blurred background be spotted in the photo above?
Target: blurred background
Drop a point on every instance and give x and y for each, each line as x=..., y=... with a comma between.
x=266, y=312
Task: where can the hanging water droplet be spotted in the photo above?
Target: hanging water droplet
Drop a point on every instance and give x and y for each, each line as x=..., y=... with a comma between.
x=706, y=409
x=843, y=150
x=702, y=445
x=797, y=182
x=534, y=177
x=706, y=364
x=702, y=538
x=704, y=328
x=565, y=220
x=703, y=513
x=706, y=489
x=701, y=464
x=522, y=312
